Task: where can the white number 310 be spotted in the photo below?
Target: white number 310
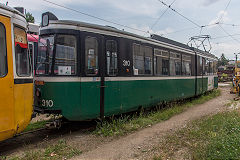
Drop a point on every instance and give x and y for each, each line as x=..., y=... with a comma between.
x=47, y=103
x=126, y=63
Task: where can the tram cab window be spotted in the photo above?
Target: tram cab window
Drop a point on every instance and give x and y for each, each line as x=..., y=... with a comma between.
x=161, y=62
x=112, y=57
x=3, y=51
x=66, y=55
x=45, y=55
x=186, y=65
x=21, y=52
x=142, y=60
x=175, y=64
x=91, y=55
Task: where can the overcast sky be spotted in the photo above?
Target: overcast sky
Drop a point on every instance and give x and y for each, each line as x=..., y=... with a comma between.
x=142, y=14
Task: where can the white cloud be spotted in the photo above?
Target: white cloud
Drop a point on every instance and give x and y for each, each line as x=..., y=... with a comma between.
x=227, y=48
x=222, y=17
x=138, y=7
x=209, y=2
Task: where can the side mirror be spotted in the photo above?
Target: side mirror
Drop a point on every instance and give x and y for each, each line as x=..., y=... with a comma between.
x=46, y=17
x=45, y=20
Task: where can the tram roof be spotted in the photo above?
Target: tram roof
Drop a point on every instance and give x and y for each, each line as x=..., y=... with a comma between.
x=153, y=37
x=10, y=9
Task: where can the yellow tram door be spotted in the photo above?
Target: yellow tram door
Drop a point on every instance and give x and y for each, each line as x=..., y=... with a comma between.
x=7, y=128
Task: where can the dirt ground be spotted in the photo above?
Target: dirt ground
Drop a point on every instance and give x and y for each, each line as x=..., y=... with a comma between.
x=138, y=145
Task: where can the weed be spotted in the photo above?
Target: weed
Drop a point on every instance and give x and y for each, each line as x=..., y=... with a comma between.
x=215, y=137
x=53, y=152
x=36, y=125
x=125, y=124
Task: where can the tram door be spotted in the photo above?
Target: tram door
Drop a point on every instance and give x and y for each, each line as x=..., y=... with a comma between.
x=91, y=79
x=6, y=78
x=111, y=90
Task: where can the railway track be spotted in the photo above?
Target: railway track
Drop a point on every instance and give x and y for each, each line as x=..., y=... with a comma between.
x=44, y=134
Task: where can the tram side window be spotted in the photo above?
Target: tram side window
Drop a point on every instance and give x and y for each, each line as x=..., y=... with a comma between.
x=142, y=60
x=138, y=60
x=186, y=65
x=21, y=53
x=161, y=62
x=66, y=55
x=3, y=51
x=200, y=66
x=112, y=57
x=214, y=67
x=206, y=67
x=175, y=64
x=148, y=60
x=210, y=68
x=91, y=55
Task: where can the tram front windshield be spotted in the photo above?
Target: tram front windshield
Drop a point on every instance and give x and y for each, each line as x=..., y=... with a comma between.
x=65, y=55
x=45, y=55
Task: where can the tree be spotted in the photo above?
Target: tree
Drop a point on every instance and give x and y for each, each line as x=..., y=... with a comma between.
x=222, y=61
x=30, y=18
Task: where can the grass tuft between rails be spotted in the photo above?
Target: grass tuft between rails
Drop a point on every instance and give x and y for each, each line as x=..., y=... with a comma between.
x=125, y=124
x=35, y=126
x=61, y=150
x=215, y=137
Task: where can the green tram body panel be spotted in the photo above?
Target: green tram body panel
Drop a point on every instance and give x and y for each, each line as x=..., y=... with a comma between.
x=81, y=100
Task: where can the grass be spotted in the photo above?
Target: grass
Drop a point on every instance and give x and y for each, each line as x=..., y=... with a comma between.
x=36, y=125
x=215, y=137
x=53, y=152
x=126, y=124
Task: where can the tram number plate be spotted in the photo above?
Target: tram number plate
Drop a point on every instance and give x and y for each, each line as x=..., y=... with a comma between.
x=47, y=103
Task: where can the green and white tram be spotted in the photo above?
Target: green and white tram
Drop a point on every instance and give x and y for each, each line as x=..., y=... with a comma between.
x=85, y=71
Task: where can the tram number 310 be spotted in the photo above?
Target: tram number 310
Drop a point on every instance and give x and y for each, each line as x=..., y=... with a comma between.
x=47, y=103
x=126, y=63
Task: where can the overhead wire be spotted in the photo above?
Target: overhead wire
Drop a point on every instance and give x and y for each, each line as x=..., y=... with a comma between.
x=95, y=17
x=162, y=15
x=237, y=34
x=220, y=18
x=180, y=14
x=228, y=33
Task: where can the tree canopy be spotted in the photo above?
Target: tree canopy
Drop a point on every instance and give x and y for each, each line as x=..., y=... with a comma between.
x=222, y=61
x=30, y=18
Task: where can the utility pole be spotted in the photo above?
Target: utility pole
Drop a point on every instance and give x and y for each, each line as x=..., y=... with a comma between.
x=236, y=54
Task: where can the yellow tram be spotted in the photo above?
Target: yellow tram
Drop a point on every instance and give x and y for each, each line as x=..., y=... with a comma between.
x=16, y=81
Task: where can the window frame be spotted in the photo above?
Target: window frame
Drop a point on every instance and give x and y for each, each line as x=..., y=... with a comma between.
x=117, y=52
x=185, y=57
x=50, y=74
x=55, y=36
x=6, y=59
x=85, y=57
x=163, y=57
x=176, y=60
x=142, y=51
x=29, y=59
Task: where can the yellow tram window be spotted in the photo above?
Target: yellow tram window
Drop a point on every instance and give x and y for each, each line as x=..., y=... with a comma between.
x=3, y=51
x=21, y=53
